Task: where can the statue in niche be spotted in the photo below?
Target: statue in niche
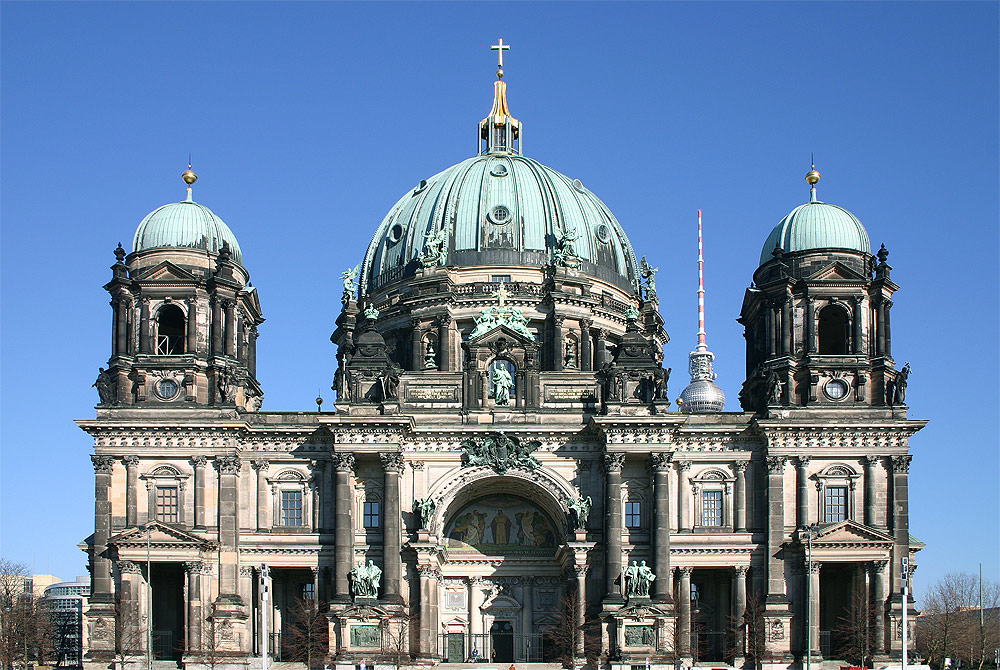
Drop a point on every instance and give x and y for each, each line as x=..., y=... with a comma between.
x=224, y=381
x=430, y=357
x=660, y=379
x=899, y=386
x=106, y=387
x=579, y=511
x=775, y=388
x=388, y=381
x=502, y=385
x=425, y=508
x=365, y=579
x=570, y=354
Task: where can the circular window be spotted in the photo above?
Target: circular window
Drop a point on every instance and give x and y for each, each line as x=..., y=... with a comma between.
x=500, y=215
x=836, y=389
x=499, y=170
x=603, y=232
x=578, y=185
x=396, y=233
x=166, y=388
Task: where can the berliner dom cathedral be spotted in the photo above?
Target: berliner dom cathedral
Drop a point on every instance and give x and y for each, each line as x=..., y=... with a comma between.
x=510, y=475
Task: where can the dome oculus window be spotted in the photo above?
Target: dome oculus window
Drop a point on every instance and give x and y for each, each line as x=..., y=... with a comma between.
x=395, y=233
x=578, y=185
x=499, y=170
x=500, y=215
x=603, y=232
x=167, y=389
x=836, y=389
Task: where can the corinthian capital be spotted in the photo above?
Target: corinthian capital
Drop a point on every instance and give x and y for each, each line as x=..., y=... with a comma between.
x=229, y=465
x=776, y=464
x=342, y=461
x=103, y=464
x=613, y=461
x=901, y=464
x=392, y=461
x=661, y=460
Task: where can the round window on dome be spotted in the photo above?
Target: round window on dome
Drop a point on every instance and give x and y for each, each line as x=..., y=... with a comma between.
x=500, y=215
x=578, y=185
x=395, y=233
x=836, y=389
x=499, y=170
x=603, y=232
x=166, y=389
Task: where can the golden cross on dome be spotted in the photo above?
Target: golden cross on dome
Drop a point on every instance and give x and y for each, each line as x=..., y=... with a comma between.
x=500, y=47
x=501, y=294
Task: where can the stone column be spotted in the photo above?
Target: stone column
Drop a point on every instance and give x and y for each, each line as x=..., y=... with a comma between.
x=192, y=325
x=131, y=486
x=252, y=351
x=527, y=605
x=613, y=463
x=660, y=463
x=343, y=532
x=475, y=610
x=877, y=569
x=684, y=614
x=263, y=499
x=814, y=599
x=741, y=496
x=327, y=498
x=230, y=327
x=888, y=328
x=581, y=603
x=858, y=318
x=199, y=491
x=194, y=571
x=133, y=591
x=103, y=588
x=802, y=491
x=586, y=350
x=600, y=348
x=740, y=606
x=769, y=329
x=144, y=326
x=870, y=462
x=809, y=336
x=786, y=325
x=683, y=496
x=216, y=325
x=416, y=345
x=775, y=527
x=558, y=343
x=444, y=342
x=121, y=326
x=392, y=463
x=880, y=326
x=229, y=528
x=900, y=519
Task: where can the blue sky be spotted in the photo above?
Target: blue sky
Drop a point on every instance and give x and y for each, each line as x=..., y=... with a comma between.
x=307, y=121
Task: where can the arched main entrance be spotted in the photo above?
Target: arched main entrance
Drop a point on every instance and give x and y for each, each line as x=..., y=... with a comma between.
x=502, y=570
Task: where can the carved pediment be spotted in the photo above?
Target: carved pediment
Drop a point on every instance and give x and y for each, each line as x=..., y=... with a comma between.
x=836, y=271
x=364, y=612
x=850, y=533
x=160, y=535
x=166, y=271
x=639, y=611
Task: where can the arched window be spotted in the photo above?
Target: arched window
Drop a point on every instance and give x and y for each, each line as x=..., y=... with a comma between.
x=834, y=336
x=170, y=328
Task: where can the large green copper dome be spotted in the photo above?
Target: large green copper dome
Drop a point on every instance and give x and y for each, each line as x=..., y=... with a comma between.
x=500, y=209
x=184, y=224
x=816, y=225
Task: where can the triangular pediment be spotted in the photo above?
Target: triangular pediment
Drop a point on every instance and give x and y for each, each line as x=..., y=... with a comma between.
x=160, y=535
x=497, y=332
x=639, y=609
x=850, y=532
x=166, y=271
x=836, y=271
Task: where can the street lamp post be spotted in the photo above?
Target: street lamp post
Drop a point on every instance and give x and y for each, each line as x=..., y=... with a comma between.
x=809, y=532
x=149, y=602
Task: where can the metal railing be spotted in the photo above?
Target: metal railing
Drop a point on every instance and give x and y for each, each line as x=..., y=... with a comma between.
x=825, y=647
x=491, y=648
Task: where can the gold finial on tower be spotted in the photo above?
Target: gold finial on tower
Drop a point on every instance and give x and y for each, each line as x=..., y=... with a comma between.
x=500, y=47
x=812, y=176
x=188, y=176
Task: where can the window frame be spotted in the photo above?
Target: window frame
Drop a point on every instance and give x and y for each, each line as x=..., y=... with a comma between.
x=715, y=495
x=637, y=515
x=291, y=481
x=154, y=324
x=366, y=515
x=288, y=513
x=832, y=476
x=715, y=479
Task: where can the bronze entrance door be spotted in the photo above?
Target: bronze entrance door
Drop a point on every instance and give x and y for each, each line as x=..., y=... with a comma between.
x=456, y=647
x=502, y=641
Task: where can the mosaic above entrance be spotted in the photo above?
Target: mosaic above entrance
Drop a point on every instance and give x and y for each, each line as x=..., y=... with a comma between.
x=499, y=525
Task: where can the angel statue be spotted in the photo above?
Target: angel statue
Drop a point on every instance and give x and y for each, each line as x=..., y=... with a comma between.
x=648, y=274
x=350, y=277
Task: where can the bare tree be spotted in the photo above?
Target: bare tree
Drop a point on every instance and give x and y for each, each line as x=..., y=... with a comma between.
x=952, y=623
x=129, y=632
x=855, y=630
x=307, y=635
x=26, y=628
x=569, y=636
x=754, y=629
x=396, y=633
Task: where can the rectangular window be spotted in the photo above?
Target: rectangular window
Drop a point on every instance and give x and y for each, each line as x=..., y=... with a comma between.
x=711, y=508
x=166, y=504
x=291, y=508
x=633, y=516
x=308, y=591
x=835, y=503
x=500, y=278
x=371, y=515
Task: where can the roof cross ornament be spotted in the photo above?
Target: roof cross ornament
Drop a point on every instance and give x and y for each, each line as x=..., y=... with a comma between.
x=501, y=294
x=500, y=47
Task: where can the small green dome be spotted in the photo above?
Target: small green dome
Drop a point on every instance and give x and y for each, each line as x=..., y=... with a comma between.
x=816, y=225
x=185, y=224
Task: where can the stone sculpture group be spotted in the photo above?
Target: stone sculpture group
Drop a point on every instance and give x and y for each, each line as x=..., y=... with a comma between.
x=365, y=579
x=638, y=579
